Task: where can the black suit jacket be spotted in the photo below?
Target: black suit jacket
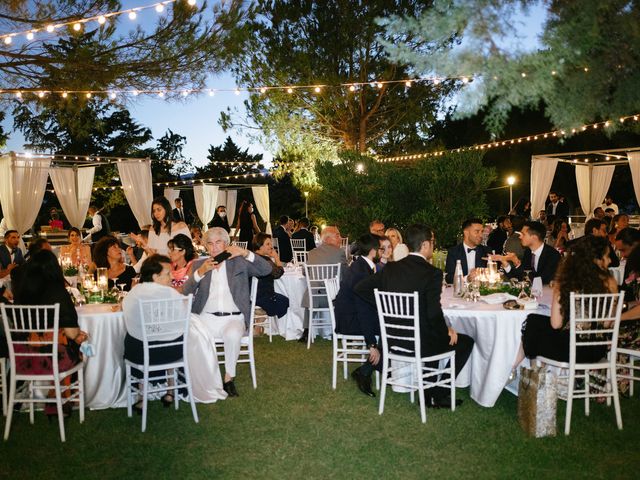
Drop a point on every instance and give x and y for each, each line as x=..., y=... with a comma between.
x=458, y=253
x=188, y=218
x=562, y=209
x=411, y=274
x=5, y=257
x=547, y=265
x=496, y=240
x=218, y=221
x=308, y=236
x=354, y=316
x=284, y=244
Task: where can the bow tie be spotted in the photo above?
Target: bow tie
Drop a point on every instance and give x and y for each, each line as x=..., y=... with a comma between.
x=469, y=250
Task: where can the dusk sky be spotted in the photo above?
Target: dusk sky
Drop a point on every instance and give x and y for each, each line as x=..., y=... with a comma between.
x=197, y=117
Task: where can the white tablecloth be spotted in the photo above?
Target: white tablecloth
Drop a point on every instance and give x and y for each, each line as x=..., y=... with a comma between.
x=292, y=285
x=104, y=373
x=497, y=336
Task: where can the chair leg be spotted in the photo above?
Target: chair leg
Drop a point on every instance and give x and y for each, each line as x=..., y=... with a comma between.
x=31, y=404
x=252, y=365
x=81, y=393
x=271, y=320
x=587, y=389
x=632, y=372
x=383, y=387
x=187, y=377
x=12, y=399
x=616, y=398
x=412, y=392
x=310, y=332
x=418, y=379
x=176, y=403
x=59, y=409
x=3, y=379
x=129, y=390
x=334, y=364
x=452, y=379
x=145, y=387
x=570, y=387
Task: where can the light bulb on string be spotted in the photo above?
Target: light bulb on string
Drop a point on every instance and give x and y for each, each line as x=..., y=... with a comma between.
x=88, y=95
x=41, y=94
x=8, y=40
x=379, y=85
x=30, y=36
x=352, y=88
x=112, y=96
x=191, y=2
x=407, y=83
x=237, y=91
x=159, y=8
x=211, y=93
x=77, y=27
x=289, y=90
x=102, y=19
x=317, y=89
x=263, y=90
x=50, y=28
x=64, y=94
x=132, y=15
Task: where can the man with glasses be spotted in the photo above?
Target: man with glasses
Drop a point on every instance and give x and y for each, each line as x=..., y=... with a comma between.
x=414, y=273
x=377, y=228
x=221, y=295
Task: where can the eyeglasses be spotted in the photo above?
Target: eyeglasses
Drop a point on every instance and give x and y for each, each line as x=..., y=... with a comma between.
x=175, y=249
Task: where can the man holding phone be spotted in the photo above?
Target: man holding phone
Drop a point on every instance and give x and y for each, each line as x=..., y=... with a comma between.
x=221, y=294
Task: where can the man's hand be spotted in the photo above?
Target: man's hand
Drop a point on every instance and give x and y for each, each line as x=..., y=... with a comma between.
x=208, y=265
x=374, y=356
x=453, y=336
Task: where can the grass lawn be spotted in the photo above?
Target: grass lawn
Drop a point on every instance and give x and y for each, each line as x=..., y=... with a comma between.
x=295, y=426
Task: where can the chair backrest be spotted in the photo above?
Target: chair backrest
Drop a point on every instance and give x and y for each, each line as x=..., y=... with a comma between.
x=301, y=256
x=240, y=244
x=253, y=297
x=344, y=242
x=316, y=275
x=299, y=244
x=165, y=320
x=332, y=285
x=32, y=325
x=399, y=318
x=594, y=320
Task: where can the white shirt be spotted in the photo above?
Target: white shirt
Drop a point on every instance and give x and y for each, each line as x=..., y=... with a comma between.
x=613, y=205
x=537, y=252
x=96, y=220
x=553, y=207
x=471, y=257
x=220, y=298
x=372, y=265
x=131, y=306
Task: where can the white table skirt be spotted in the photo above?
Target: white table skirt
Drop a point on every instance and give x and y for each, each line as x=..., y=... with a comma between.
x=293, y=286
x=497, y=336
x=104, y=373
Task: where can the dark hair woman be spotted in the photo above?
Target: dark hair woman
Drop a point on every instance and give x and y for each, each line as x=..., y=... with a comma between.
x=246, y=225
x=42, y=283
x=182, y=254
x=108, y=254
x=271, y=302
x=162, y=230
x=584, y=270
x=75, y=250
x=560, y=234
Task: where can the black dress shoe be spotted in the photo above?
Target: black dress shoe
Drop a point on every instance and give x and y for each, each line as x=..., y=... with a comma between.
x=305, y=336
x=230, y=388
x=363, y=381
x=441, y=402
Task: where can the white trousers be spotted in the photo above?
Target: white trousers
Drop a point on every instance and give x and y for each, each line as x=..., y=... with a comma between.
x=230, y=330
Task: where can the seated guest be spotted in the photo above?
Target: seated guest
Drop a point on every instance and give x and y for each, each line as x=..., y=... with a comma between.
x=523, y=208
x=284, y=240
x=539, y=258
x=559, y=234
x=470, y=252
x=108, y=254
x=598, y=213
x=220, y=219
x=196, y=237
x=304, y=234
x=400, y=250
x=415, y=274
x=377, y=228
x=498, y=236
x=618, y=223
x=182, y=255
x=627, y=242
x=512, y=244
x=155, y=284
x=42, y=283
x=79, y=253
x=598, y=228
x=385, y=253
x=17, y=274
x=271, y=302
x=10, y=255
x=542, y=217
x=222, y=297
x=354, y=316
x=584, y=271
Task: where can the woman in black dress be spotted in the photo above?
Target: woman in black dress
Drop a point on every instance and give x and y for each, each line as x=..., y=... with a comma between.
x=246, y=226
x=271, y=302
x=584, y=270
x=108, y=254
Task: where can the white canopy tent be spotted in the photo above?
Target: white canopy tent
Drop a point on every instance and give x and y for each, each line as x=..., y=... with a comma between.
x=594, y=171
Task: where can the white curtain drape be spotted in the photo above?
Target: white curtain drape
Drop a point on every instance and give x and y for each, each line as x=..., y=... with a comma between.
x=135, y=177
x=593, y=184
x=171, y=194
x=206, y=197
x=228, y=199
x=261, y=197
x=73, y=189
x=22, y=185
x=543, y=169
x=634, y=166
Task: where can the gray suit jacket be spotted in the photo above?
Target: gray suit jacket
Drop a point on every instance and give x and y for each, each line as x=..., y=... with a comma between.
x=239, y=272
x=326, y=254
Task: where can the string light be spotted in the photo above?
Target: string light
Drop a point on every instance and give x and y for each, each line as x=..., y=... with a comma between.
x=498, y=143
x=101, y=19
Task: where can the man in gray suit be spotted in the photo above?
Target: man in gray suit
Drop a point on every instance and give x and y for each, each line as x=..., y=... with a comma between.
x=327, y=253
x=221, y=295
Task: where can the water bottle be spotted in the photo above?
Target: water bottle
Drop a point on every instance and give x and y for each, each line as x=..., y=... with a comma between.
x=458, y=279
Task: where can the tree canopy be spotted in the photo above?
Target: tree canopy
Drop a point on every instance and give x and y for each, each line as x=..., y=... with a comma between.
x=586, y=68
x=331, y=43
x=221, y=160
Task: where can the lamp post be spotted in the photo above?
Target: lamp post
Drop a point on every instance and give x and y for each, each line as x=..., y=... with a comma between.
x=510, y=181
x=306, y=204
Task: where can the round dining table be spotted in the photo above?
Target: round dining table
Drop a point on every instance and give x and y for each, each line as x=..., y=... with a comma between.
x=497, y=335
x=104, y=373
x=292, y=285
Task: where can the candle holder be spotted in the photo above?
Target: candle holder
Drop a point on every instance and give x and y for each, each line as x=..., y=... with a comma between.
x=102, y=280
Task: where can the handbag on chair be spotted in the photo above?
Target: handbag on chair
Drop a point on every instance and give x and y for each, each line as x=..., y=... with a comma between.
x=537, y=400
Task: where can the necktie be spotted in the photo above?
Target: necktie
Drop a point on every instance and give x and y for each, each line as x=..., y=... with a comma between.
x=181, y=215
x=533, y=262
x=469, y=250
